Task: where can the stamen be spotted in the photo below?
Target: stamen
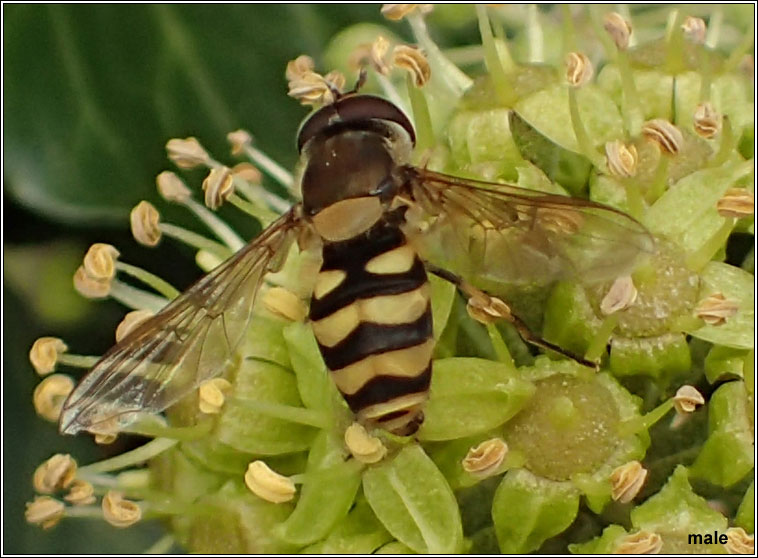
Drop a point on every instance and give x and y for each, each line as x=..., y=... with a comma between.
x=149, y=279
x=484, y=460
x=627, y=481
x=267, y=484
x=137, y=299
x=81, y=493
x=716, y=309
x=172, y=188
x=620, y=296
x=396, y=12
x=218, y=186
x=57, y=473
x=736, y=203
x=50, y=394
x=694, y=30
x=642, y=542
x=296, y=69
x=284, y=303
x=187, y=153
x=212, y=395
x=687, y=399
x=120, y=512
x=130, y=458
x=242, y=142
x=707, y=121
x=144, y=220
x=495, y=64
x=579, y=72
x=739, y=542
x=131, y=321
x=44, y=511
x=89, y=287
x=364, y=447
x=100, y=261
x=618, y=28
x=45, y=353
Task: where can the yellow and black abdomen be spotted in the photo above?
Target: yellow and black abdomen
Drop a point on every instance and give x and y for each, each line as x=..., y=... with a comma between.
x=371, y=316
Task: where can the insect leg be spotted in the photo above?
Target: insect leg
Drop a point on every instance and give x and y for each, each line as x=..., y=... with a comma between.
x=486, y=308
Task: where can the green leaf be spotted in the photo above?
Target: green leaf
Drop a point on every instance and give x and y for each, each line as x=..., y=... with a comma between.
x=93, y=92
x=411, y=498
x=528, y=510
x=471, y=395
x=736, y=285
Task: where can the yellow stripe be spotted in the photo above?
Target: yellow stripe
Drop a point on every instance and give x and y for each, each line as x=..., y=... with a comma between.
x=408, y=362
x=400, y=308
x=327, y=281
x=398, y=260
x=334, y=328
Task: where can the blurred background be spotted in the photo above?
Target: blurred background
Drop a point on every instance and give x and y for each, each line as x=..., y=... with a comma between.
x=91, y=95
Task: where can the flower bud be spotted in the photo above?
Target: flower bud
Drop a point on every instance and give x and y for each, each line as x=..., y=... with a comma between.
x=707, y=122
x=54, y=474
x=618, y=28
x=413, y=61
x=687, y=399
x=621, y=158
x=664, y=134
x=621, y=295
x=131, y=321
x=716, y=309
x=81, y=493
x=627, y=481
x=212, y=394
x=172, y=188
x=50, y=394
x=187, y=153
x=579, y=69
x=120, y=512
x=485, y=459
x=694, y=30
x=364, y=447
x=89, y=287
x=44, y=511
x=44, y=354
x=736, y=203
x=218, y=186
x=144, y=220
x=267, y=484
x=642, y=542
x=100, y=262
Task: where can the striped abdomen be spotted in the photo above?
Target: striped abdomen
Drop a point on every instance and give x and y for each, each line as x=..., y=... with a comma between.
x=372, y=319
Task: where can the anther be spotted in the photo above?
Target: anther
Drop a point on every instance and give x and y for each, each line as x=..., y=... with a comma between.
x=144, y=220
x=44, y=354
x=50, y=394
x=120, y=512
x=364, y=447
x=485, y=459
x=187, y=153
x=267, y=484
x=627, y=481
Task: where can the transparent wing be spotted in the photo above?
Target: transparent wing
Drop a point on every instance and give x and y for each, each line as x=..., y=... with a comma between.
x=189, y=341
x=498, y=232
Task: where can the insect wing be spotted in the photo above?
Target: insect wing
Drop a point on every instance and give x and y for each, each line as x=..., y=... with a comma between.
x=514, y=235
x=189, y=341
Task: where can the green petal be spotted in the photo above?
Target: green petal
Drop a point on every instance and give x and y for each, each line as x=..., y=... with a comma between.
x=414, y=502
x=359, y=533
x=737, y=285
x=604, y=544
x=471, y=395
x=234, y=521
x=251, y=431
x=663, y=357
x=728, y=453
x=725, y=363
x=746, y=513
x=327, y=494
x=528, y=510
x=677, y=511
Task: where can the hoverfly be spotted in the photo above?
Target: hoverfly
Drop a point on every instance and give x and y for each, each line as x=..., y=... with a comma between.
x=381, y=225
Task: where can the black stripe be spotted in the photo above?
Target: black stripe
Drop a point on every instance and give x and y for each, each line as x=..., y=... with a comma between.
x=372, y=339
x=382, y=389
x=362, y=284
